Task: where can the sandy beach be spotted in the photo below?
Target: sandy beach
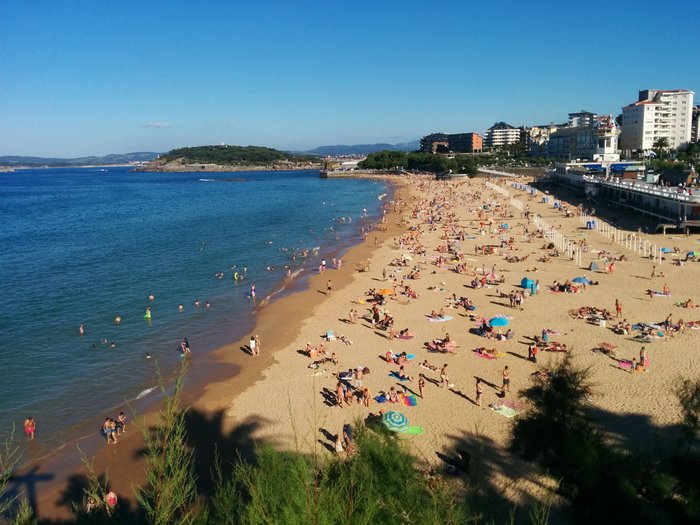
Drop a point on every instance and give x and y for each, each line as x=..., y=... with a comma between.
x=277, y=398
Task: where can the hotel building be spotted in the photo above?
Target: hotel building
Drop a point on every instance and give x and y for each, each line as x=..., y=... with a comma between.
x=658, y=114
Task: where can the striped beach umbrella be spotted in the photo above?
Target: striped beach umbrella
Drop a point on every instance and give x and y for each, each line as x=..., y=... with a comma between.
x=395, y=421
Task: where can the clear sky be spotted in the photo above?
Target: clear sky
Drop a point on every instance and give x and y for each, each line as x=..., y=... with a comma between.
x=90, y=78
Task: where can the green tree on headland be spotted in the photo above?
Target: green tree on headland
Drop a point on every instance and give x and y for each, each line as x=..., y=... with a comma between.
x=233, y=155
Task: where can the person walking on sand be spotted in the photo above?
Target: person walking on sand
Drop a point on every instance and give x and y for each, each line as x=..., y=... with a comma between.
x=444, y=378
x=329, y=287
x=643, y=357
x=618, y=308
x=252, y=346
x=421, y=385
x=479, y=392
x=653, y=272
x=505, y=387
x=257, y=344
x=339, y=394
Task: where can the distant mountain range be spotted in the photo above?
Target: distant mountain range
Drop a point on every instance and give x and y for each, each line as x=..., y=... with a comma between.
x=363, y=149
x=114, y=158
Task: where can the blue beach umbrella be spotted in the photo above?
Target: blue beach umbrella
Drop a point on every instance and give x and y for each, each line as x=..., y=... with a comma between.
x=581, y=280
x=692, y=254
x=395, y=421
x=666, y=250
x=497, y=322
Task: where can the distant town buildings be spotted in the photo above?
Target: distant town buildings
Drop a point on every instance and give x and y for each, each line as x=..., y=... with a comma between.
x=501, y=134
x=658, y=114
x=454, y=143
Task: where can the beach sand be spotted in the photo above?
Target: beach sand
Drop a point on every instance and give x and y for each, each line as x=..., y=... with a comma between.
x=277, y=399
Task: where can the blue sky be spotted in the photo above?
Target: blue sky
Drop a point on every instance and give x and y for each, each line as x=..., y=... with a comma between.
x=84, y=77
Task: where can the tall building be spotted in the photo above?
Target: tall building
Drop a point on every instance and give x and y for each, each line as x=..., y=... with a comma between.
x=695, y=125
x=465, y=143
x=434, y=142
x=582, y=118
x=501, y=134
x=658, y=114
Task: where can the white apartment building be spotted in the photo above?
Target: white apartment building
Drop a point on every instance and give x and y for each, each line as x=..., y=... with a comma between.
x=501, y=134
x=657, y=114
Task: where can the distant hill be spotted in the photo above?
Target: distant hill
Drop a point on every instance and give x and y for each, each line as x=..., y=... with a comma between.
x=113, y=158
x=363, y=149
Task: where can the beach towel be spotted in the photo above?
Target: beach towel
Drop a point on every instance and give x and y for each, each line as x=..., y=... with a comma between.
x=485, y=356
x=414, y=431
x=439, y=319
x=661, y=294
x=397, y=376
x=381, y=398
x=409, y=400
x=318, y=373
x=504, y=411
x=405, y=337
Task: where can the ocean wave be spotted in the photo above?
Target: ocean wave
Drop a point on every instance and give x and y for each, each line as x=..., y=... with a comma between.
x=144, y=393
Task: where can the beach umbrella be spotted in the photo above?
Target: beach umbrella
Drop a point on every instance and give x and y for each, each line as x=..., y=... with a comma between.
x=386, y=291
x=580, y=280
x=498, y=321
x=666, y=250
x=691, y=254
x=395, y=421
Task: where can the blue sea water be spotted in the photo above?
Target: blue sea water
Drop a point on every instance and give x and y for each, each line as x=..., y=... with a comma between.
x=80, y=246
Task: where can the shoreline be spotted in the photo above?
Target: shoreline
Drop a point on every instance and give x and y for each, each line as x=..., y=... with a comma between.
x=207, y=400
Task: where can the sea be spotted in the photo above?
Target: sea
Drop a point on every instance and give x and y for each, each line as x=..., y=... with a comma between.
x=81, y=246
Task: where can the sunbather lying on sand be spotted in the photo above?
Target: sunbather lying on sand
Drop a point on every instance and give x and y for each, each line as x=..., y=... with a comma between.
x=428, y=366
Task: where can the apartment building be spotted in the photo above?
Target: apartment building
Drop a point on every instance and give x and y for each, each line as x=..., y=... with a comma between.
x=582, y=118
x=658, y=114
x=695, y=125
x=434, y=142
x=465, y=143
x=501, y=134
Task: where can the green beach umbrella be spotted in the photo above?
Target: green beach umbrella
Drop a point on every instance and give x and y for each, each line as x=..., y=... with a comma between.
x=395, y=421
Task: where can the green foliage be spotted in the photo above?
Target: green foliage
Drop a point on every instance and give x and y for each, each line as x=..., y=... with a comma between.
x=9, y=458
x=381, y=484
x=170, y=493
x=421, y=161
x=234, y=155
x=606, y=485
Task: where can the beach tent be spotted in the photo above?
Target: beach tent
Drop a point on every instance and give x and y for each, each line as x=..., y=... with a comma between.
x=594, y=267
x=527, y=283
x=498, y=322
x=581, y=280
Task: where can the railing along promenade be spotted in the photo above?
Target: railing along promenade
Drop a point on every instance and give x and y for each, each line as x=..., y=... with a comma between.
x=571, y=249
x=630, y=241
